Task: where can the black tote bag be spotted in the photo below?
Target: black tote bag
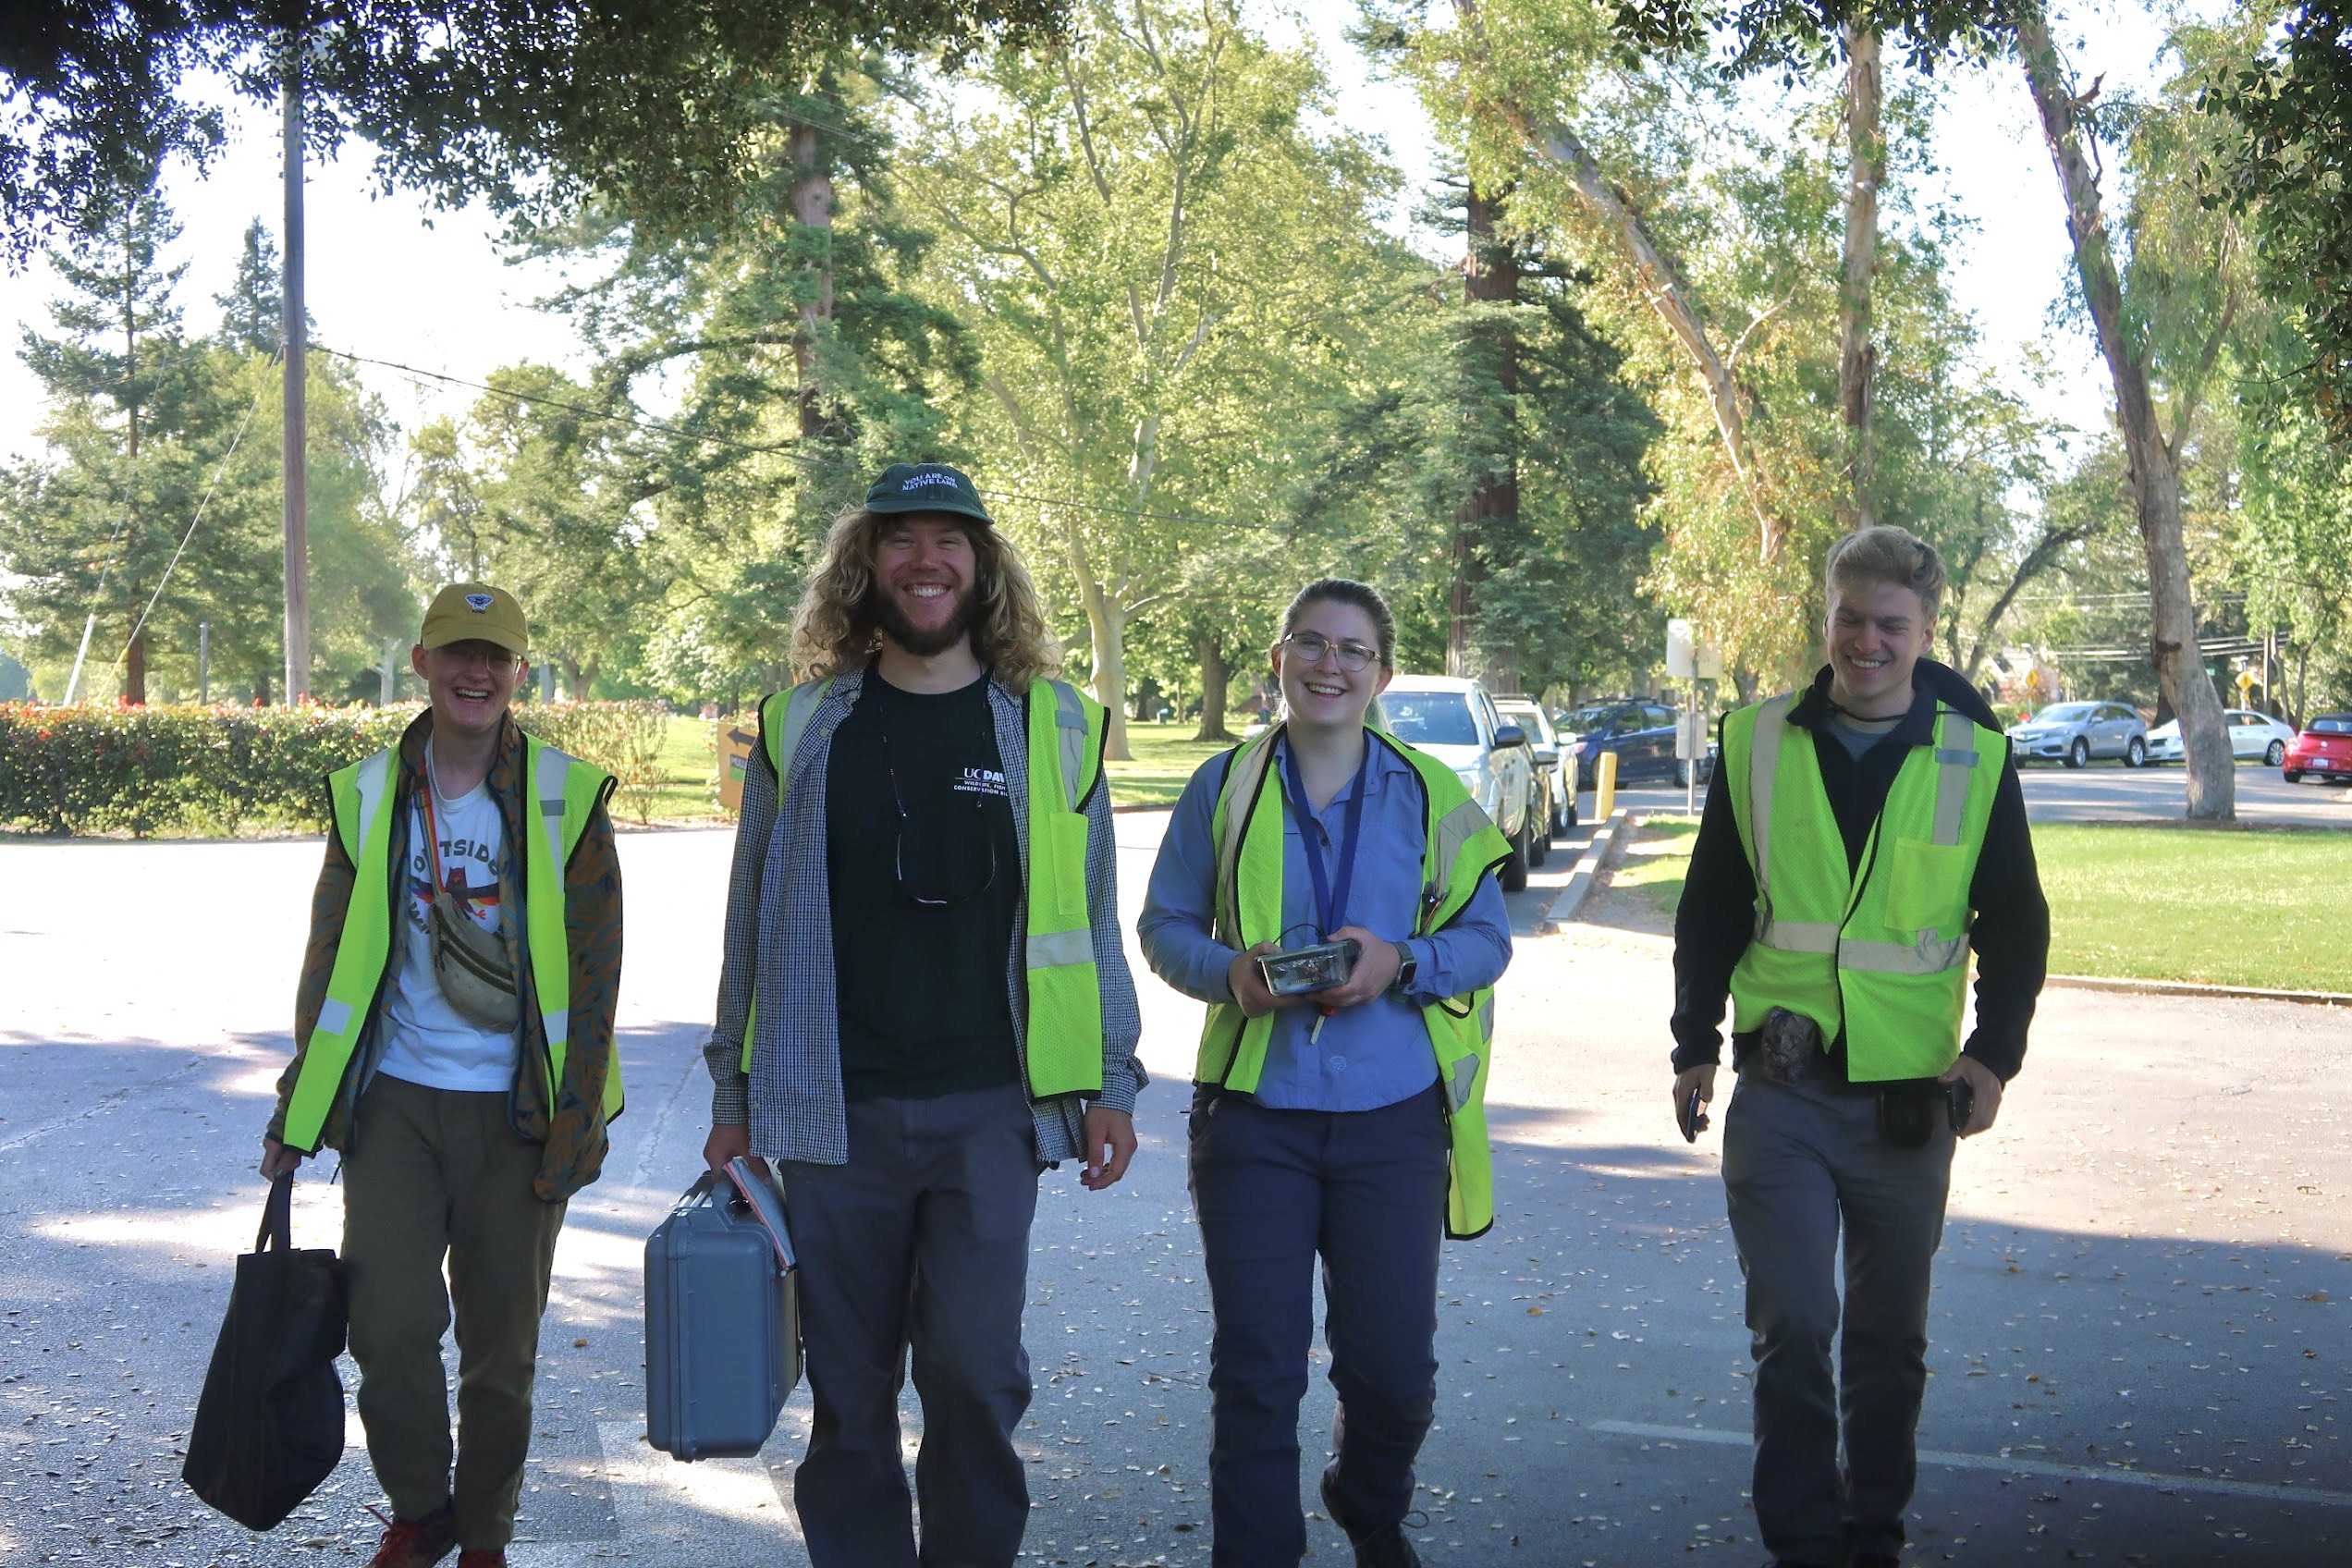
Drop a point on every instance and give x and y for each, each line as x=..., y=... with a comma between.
x=269, y=1426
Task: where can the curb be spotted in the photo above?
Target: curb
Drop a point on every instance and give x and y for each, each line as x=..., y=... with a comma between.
x=2189, y=988
x=1580, y=882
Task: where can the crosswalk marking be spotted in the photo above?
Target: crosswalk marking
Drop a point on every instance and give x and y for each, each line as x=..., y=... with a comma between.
x=2006, y=1464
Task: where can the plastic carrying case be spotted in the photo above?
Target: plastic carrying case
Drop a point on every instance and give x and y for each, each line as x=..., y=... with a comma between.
x=722, y=1327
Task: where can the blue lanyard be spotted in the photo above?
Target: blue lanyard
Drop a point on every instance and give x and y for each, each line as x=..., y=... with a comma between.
x=1330, y=904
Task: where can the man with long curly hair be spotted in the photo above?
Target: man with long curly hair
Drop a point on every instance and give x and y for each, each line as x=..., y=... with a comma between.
x=923, y=912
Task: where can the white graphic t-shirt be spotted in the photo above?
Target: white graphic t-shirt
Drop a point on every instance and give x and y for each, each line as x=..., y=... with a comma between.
x=430, y=1042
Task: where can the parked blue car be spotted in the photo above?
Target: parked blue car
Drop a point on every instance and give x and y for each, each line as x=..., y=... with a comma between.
x=1639, y=729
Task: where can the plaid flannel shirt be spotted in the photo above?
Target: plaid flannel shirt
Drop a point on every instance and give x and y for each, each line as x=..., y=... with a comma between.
x=779, y=938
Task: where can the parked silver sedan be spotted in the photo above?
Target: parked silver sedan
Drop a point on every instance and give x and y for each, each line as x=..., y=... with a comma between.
x=2253, y=737
x=2074, y=733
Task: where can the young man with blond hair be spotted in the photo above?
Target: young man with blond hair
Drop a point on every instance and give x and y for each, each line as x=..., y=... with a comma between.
x=923, y=1002
x=454, y=1041
x=1861, y=839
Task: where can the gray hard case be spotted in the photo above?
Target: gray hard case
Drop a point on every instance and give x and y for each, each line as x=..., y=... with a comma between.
x=722, y=1327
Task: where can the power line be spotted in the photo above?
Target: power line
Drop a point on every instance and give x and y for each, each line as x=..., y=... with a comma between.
x=772, y=448
x=219, y=469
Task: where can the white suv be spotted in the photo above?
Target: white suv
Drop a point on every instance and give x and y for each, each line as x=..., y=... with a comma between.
x=1456, y=721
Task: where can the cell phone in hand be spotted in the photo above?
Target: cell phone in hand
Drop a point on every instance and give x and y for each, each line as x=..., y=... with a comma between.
x=1690, y=1117
x=1959, y=1102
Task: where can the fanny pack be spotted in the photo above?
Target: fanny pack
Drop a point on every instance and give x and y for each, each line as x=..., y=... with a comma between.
x=469, y=963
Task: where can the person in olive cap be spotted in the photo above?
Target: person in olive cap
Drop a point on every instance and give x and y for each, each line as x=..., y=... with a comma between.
x=454, y=1041
x=923, y=905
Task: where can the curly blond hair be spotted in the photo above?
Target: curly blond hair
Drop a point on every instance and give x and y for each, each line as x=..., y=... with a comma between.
x=835, y=630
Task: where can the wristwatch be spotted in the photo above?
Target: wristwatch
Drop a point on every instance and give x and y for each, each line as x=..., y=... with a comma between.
x=1407, y=966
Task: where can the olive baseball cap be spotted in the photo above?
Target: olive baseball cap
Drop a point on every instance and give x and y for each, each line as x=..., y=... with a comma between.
x=464, y=611
x=926, y=487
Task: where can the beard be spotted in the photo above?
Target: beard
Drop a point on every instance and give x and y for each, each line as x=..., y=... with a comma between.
x=888, y=618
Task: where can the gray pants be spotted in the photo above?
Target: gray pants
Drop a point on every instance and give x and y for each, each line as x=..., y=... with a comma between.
x=1798, y=1163
x=922, y=1239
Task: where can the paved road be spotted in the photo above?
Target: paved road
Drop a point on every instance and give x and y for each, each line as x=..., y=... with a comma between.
x=2108, y=792
x=2142, y=1348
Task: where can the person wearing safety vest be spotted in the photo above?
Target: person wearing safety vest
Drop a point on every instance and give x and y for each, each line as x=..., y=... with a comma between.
x=1348, y=1120
x=1861, y=839
x=454, y=1041
x=923, y=1002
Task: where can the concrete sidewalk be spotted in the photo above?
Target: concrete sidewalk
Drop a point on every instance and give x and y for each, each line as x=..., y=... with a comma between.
x=2140, y=1342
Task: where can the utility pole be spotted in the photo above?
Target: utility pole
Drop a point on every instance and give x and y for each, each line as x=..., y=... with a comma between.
x=298, y=546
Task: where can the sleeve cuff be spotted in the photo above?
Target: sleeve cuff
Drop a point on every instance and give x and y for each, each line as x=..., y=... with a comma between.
x=732, y=1103
x=1120, y=1084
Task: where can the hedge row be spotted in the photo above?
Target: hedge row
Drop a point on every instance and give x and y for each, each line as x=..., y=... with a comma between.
x=184, y=770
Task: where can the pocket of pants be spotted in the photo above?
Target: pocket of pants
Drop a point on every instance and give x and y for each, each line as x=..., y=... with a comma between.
x=1924, y=887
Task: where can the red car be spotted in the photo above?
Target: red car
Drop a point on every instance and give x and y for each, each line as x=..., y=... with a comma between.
x=2323, y=749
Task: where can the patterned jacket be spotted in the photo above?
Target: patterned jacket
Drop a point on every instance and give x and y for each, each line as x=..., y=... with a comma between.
x=573, y=1139
x=780, y=931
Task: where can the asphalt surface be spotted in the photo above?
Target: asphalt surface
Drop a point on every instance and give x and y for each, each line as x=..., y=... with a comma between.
x=2140, y=1350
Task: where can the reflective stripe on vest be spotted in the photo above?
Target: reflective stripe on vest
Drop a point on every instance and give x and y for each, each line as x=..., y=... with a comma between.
x=1065, y=730
x=1460, y=846
x=1885, y=959
x=561, y=794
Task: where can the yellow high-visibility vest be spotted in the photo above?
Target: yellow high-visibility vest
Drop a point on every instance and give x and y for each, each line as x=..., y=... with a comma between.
x=1883, y=955
x=562, y=796
x=1065, y=1042
x=1460, y=845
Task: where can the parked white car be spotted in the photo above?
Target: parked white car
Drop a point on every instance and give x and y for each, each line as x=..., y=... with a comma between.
x=2253, y=737
x=1456, y=721
x=1552, y=768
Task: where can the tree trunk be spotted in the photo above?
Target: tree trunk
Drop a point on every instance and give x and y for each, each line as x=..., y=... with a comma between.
x=1857, y=356
x=135, y=671
x=1215, y=674
x=812, y=208
x=1107, y=621
x=1659, y=281
x=1489, y=276
x=2180, y=666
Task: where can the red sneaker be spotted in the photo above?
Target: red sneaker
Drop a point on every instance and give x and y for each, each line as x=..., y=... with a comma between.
x=418, y=1543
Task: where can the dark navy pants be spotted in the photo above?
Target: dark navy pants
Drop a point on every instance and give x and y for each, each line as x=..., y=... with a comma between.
x=1366, y=1191
x=921, y=1241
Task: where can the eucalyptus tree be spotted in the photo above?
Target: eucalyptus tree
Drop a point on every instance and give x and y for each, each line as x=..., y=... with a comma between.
x=2287, y=106
x=1160, y=250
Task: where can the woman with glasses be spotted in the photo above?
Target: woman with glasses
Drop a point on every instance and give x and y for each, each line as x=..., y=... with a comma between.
x=1342, y=1120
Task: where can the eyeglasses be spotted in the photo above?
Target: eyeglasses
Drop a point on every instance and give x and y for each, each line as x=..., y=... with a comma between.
x=498, y=661
x=1312, y=645
x=897, y=847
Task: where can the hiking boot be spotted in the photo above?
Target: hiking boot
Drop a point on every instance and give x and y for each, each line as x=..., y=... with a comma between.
x=483, y=1557
x=1383, y=1547
x=415, y=1543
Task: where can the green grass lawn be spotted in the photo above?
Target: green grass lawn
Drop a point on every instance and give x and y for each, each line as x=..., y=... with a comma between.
x=2217, y=906
x=1166, y=756
x=2214, y=905
x=689, y=762
x=1651, y=873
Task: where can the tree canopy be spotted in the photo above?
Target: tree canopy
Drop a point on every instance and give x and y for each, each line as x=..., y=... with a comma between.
x=532, y=107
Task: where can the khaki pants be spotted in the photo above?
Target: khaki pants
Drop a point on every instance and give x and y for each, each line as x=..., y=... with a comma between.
x=436, y=1175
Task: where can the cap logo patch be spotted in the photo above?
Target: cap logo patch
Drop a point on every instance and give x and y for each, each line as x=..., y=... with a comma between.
x=479, y=603
x=917, y=481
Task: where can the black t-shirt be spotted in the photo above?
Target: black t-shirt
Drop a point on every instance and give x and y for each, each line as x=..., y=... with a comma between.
x=924, y=904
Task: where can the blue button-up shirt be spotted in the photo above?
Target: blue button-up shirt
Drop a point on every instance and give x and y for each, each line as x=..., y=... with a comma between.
x=1368, y=1056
